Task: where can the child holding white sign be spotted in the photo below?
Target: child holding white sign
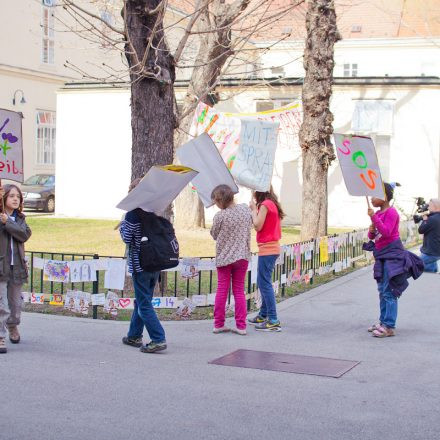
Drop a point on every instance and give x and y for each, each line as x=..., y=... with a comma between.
x=14, y=232
x=231, y=229
x=394, y=264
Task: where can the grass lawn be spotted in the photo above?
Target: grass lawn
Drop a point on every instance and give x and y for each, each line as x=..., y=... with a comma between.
x=65, y=235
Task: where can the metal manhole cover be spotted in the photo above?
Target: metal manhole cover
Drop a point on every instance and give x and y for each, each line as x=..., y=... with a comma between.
x=289, y=363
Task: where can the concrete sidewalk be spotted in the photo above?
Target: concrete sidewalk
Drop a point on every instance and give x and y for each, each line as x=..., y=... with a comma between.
x=71, y=378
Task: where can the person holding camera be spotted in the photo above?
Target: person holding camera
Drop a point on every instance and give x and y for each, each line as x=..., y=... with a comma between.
x=430, y=228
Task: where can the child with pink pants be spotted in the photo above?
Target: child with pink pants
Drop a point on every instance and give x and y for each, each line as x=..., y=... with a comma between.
x=232, y=231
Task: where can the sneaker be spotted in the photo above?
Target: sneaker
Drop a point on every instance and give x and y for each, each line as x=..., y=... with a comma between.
x=14, y=335
x=3, y=348
x=268, y=326
x=239, y=331
x=220, y=329
x=257, y=320
x=154, y=347
x=137, y=342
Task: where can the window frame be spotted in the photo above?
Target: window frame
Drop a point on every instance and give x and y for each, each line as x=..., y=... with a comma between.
x=350, y=70
x=46, y=128
x=47, y=35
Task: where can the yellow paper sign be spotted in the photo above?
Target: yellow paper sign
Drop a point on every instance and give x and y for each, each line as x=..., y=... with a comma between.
x=323, y=249
x=56, y=299
x=177, y=168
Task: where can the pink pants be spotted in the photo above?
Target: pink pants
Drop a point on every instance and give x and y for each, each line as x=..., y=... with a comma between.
x=237, y=272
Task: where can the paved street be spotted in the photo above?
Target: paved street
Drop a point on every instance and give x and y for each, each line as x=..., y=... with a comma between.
x=71, y=378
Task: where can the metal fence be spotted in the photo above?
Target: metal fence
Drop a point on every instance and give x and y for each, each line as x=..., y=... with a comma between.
x=298, y=263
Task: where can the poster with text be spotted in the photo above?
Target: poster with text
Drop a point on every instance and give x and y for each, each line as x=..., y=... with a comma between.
x=359, y=165
x=224, y=128
x=253, y=166
x=11, y=146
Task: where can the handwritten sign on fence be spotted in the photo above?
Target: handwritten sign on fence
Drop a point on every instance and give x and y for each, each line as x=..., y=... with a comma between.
x=359, y=165
x=253, y=166
x=11, y=146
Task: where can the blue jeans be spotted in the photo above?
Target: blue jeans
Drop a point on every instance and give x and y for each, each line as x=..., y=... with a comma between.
x=144, y=313
x=388, y=302
x=430, y=262
x=266, y=265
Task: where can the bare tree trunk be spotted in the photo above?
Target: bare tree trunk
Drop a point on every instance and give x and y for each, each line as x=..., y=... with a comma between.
x=214, y=51
x=316, y=129
x=152, y=94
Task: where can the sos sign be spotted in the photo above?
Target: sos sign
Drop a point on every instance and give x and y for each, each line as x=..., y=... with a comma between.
x=359, y=165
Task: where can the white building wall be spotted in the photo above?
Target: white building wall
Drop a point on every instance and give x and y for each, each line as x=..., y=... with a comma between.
x=105, y=136
x=374, y=57
x=94, y=153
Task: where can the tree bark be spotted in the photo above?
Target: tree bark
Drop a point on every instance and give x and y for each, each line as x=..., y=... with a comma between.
x=152, y=92
x=316, y=129
x=214, y=51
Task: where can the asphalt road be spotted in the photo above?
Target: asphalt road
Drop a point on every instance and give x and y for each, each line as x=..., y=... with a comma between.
x=71, y=378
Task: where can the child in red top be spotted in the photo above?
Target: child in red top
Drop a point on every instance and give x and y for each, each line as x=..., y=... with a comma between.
x=266, y=216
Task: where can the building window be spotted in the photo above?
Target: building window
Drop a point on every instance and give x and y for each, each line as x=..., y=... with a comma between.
x=48, y=35
x=46, y=135
x=373, y=116
x=350, y=69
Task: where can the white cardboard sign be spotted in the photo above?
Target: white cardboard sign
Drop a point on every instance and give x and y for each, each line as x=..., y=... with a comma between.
x=359, y=165
x=254, y=164
x=158, y=188
x=201, y=154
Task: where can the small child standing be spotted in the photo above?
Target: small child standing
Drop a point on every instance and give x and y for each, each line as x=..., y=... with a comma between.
x=144, y=282
x=391, y=267
x=266, y=216
x=14, y=232
x=232, y=231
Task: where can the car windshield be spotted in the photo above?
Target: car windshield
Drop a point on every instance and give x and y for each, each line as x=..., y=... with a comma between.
x=40, y=179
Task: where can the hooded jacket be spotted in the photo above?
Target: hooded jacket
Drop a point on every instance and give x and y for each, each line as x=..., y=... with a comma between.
x=400, y=263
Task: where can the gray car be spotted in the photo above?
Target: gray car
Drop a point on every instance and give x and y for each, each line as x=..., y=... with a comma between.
x=39, y=192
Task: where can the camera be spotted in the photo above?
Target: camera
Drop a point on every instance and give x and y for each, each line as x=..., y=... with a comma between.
x=422, y=207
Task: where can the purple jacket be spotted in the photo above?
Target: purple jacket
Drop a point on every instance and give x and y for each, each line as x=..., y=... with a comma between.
x=401, y=264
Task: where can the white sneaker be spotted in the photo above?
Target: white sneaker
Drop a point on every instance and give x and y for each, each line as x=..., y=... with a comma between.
x=239, y=331
x=220, y=329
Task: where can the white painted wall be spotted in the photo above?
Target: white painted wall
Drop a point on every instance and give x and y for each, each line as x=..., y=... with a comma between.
x=374, y=57
x=94, y=153
x=98, y=124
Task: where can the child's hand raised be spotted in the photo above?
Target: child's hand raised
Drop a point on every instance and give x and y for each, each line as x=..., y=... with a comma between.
x=370, y=212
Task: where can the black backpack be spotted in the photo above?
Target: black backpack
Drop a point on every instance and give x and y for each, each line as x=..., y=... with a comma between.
x=159, y=245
